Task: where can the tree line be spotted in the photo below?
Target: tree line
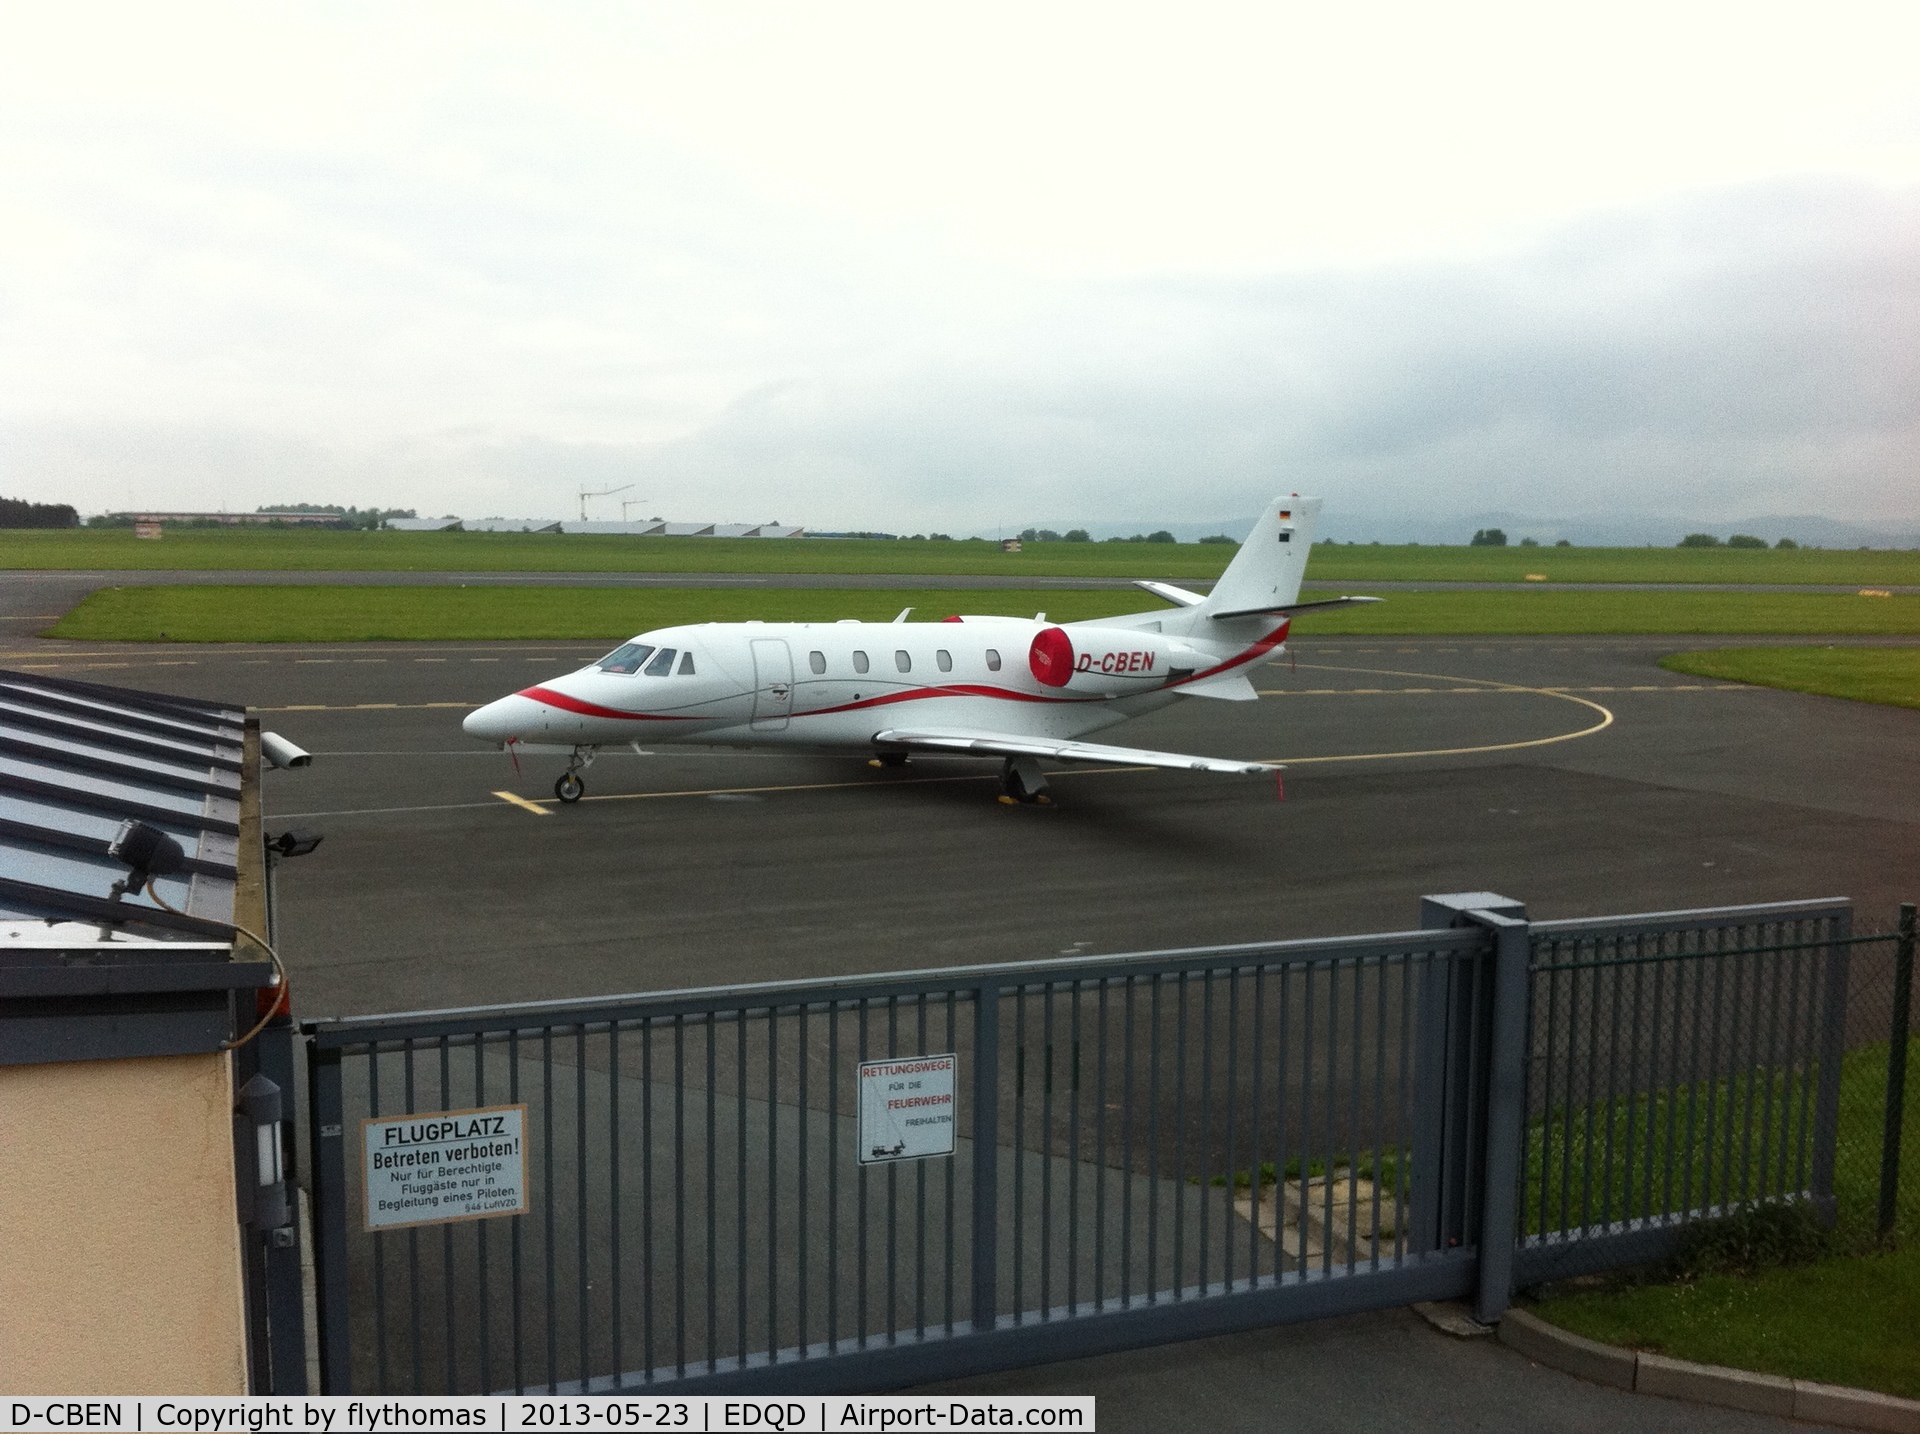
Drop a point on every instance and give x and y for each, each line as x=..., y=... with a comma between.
x=19, y=513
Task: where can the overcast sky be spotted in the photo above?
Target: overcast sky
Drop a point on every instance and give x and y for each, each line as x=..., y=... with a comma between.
x=892, y=266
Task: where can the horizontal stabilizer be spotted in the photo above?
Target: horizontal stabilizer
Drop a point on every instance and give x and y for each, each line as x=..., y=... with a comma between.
x=1171, y=593
x=1228, y=687
x=999, y=744
x=1289, y=609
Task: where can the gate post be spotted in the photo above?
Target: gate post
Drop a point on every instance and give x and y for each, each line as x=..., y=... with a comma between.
x=1451, y=1029
x=986, y=1157
x=329, y=1170
x=1506, y=1112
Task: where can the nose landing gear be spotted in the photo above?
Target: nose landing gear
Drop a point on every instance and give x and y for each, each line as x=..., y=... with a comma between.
x=570, y=788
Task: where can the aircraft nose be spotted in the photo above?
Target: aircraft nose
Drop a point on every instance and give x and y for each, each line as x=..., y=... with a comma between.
x=500, y=721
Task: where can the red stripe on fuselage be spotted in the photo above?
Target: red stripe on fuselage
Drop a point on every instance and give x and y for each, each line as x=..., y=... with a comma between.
x=592, y=709
x=1259, y=649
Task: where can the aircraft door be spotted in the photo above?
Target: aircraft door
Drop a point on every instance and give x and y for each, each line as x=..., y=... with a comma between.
x=772, y=684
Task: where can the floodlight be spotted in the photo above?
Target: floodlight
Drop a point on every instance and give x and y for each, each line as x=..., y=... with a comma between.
x=146, y=851
x=295, y=841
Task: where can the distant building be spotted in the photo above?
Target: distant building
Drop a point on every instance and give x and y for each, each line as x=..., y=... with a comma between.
x=236, y=520
x=509, y=525
x=652, y=528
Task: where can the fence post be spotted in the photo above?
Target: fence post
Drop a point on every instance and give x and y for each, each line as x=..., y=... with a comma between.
x=1833, y=1045
x=986, y=1157
x=329, y=1173
x=1896, y=1109
x=1506, y=1115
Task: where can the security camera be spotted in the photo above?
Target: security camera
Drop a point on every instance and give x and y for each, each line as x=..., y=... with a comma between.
x=282, y=753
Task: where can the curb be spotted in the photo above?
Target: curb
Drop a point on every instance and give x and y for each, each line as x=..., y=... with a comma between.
x=1573, y=1354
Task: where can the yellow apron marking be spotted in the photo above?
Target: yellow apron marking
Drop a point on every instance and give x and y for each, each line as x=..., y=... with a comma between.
x=524, y=804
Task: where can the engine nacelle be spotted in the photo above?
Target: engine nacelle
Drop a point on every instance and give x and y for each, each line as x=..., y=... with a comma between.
x=1110, y=661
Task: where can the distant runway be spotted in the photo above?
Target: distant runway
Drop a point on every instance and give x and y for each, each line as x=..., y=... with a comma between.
x=1417, y=766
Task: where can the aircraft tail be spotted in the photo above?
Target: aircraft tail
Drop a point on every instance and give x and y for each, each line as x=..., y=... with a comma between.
x=1266, y=572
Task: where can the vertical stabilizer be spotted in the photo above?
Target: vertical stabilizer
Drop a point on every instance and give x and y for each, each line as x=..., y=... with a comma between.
x=1266, y=572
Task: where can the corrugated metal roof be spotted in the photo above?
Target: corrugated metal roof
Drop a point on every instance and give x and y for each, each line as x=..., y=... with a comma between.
x=77, y=759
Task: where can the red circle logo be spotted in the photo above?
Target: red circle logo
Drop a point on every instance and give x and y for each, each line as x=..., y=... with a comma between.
x=1051, y=657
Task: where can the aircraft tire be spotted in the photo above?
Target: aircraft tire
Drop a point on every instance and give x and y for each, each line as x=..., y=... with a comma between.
x=569, y=788
x=1012, y=785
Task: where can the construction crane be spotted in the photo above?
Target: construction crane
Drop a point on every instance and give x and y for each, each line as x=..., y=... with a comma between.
x=598, y=493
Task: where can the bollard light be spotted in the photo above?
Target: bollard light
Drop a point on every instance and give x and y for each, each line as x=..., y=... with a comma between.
x=260, y=1106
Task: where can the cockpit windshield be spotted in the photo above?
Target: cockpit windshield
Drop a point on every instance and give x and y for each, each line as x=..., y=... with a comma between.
x=625, y=658
x=662, y=665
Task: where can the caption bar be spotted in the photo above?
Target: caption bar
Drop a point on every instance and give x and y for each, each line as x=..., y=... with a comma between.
x=349, y=1414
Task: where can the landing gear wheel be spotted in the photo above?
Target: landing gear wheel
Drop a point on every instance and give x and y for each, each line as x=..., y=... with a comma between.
x=1022, y=784
x=888, y=760
x=569, y=788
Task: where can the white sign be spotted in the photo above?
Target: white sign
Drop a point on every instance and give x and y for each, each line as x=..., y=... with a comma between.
x=444, y=1166
x=906, y=1108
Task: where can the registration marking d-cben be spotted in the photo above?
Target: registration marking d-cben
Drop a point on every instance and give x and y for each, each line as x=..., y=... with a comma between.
x=906, y=1108
x=437, y=1167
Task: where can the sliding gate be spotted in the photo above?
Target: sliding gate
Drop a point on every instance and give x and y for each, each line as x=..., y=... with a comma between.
x=683, y=1191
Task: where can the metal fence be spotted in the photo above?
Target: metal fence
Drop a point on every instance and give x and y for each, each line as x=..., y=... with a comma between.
x=1148, y=1147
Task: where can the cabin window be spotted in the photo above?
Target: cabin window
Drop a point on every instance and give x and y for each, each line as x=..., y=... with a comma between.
x=662, y=665
x=686, y=663
x=817, y=661
x=993, y=659
x=944, y=658
x=902, y=661
x=626, y=658
x=859, y=662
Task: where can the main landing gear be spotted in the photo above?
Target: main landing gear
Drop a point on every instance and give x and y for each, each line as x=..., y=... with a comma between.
x=570, y=788
x=1022, y=783
x=889, y=761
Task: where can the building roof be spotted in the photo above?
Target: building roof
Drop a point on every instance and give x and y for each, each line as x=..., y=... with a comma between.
x=77, y=760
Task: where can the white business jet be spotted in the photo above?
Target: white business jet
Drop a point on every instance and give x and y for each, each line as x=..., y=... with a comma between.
x=1024, y=691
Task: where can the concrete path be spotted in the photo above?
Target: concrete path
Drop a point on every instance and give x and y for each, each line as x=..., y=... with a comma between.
x=1359, y=1374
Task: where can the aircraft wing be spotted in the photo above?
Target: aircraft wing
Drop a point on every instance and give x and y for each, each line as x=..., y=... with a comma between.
x=1289, y=609
x=1000, y=744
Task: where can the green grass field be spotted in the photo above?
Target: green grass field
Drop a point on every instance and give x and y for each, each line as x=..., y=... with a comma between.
x=354, y=614
x=1849, y=1319
x=1853, y=1321
x=323, y=551
x=1889, y=675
